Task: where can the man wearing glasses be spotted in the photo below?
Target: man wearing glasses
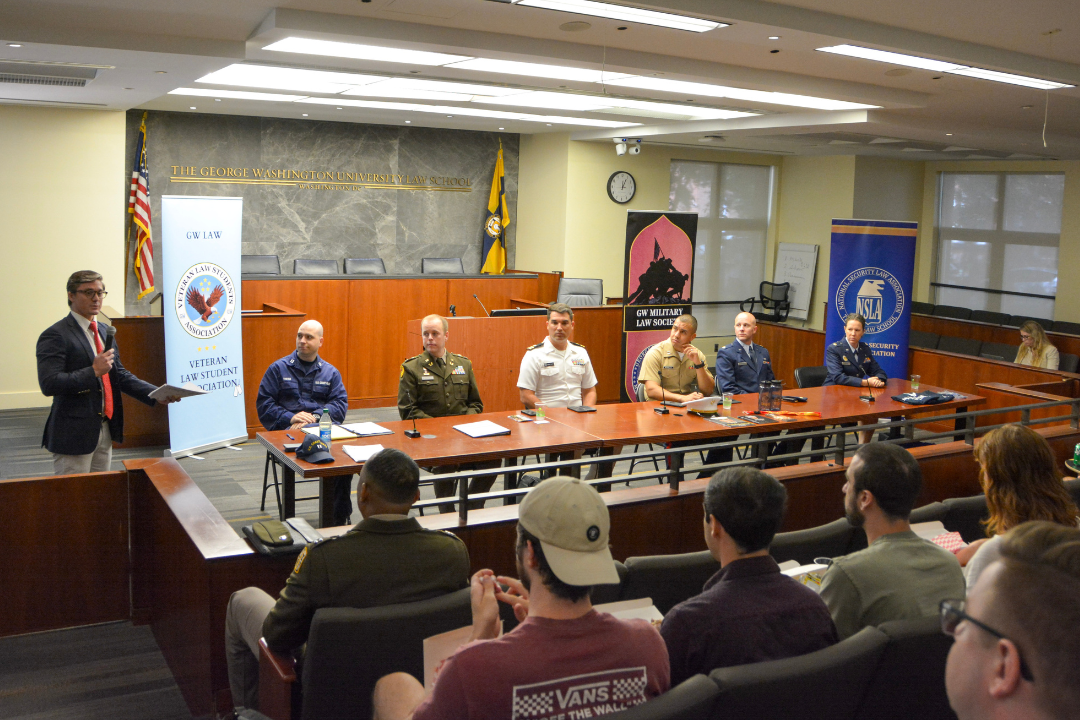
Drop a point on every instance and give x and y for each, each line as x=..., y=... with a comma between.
x=79, y=367
x=1017, y=648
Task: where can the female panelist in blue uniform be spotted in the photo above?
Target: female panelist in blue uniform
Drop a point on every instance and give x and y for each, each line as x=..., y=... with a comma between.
x=851, y=362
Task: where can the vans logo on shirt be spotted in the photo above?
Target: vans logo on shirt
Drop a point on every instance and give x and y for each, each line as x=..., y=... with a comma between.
x=580, y=696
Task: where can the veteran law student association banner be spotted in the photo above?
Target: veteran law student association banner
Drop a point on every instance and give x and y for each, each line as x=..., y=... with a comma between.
x=871, y=271
x=200, y=239
x=657, y=283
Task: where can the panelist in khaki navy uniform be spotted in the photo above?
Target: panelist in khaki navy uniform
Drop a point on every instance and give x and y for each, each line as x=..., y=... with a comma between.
x=851, y=362
x=674, y=369
x=437, y=383
x=557, y=372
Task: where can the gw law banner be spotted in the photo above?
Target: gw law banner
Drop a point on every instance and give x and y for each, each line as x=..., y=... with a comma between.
x=201, y=296
x=871, y=270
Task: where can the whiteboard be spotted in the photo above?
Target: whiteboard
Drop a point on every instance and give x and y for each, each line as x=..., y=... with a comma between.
x=795, y=264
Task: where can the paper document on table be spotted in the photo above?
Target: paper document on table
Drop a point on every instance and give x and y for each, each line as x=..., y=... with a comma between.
x=705, y=404
x=366, y=429
x=337, y=432
x=361, y=453
x=809, y=575
x=639, y=609
x=484, y=428
x=185, y=390
x=928, y=530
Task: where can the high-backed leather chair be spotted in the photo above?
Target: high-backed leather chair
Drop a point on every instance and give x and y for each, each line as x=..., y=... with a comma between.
x=442, y=266
x=998, y=351
x=692, y=699
x=922, y=308
x=909, y=681
x=952, y=311
x=1018, y=320
x=830, y=540
x=667, y=579
x=986, y=316
x=260, y=265
x=1069, y=328
x=1067, y=362
x=965, y=516
x=364, y=266
x=581, y=291
x=310, y=266
x=811, y=376
x=918, y=338
x=962, y=345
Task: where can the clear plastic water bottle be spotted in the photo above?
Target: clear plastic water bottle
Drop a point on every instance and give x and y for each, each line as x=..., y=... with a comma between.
x=775, y=395
x=764, y=396
x=326, y=424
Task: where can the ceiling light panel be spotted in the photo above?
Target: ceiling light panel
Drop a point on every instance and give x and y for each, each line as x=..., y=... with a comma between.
x=538, y=70
x=236, y=94
x=284, y=78
x=1009, y=78
x=890, y=57
x=658, y=109
x=551, y=101
x=374, y=53
x=721, y=91
x=628, y=14
x=463, y=111
x=389, y=91
x=451, y=87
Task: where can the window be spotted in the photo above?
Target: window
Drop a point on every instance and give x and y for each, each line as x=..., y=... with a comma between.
x=999, y=232
x=733, y=203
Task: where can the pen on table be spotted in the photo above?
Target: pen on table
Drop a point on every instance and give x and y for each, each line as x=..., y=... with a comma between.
x=289, y=436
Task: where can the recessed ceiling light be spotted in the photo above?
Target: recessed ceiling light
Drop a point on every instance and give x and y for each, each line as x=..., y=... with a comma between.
x=575, y=26
x=339, y=108
x=236, y=94
x=408, y=122
x=15, y=45
x=1026, y=107
x=217, y=99
x=502, y=128
x=286, y=78
x=620, y=12
x=941, y=66
x=305, y=114
x=682, y=87
x=621, y=28
x=307, y=46
x=539, y=70
x=948, y=134
x=193, y=108
x=160, y=72
x=449, y=116
x=774, y=37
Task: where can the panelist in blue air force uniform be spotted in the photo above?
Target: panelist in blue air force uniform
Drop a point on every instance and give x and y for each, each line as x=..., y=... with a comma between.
x=851, y=362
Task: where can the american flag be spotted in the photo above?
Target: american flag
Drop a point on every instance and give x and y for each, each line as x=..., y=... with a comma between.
x=139, y=207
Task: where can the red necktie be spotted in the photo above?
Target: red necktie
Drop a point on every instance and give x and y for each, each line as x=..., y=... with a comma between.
x=106, y=384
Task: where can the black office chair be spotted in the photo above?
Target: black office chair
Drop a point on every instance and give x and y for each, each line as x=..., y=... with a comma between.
x=310, y=266
x=1068, y=362
x=364, y=266
x=260, y=265
x=692, y=699
x=773, y=301
x=986, y=316
x=918, y=338
x=814, y=376
x=998, y=351
x=909, y=681
x=580, y=291
x=442, y=266
x=829, y=540
x=921, y=308
x=667, y=579
x=961, y=345
x=1068, y=328
x=1018, y=320
x=951, y=311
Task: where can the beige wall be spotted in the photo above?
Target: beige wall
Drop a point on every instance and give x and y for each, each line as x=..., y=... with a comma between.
x=61, y=198
x=1067, y=306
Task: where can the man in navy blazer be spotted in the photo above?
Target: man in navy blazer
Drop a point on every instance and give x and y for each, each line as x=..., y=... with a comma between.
x=84, y=420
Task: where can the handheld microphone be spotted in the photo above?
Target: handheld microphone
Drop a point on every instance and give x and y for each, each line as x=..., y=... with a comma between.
x=453, y=311
x=110, y=333
x=663, y=399
x=414, y=433
x=481, y=305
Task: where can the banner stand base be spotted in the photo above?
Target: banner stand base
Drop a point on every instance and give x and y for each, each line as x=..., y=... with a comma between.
x=187, y=452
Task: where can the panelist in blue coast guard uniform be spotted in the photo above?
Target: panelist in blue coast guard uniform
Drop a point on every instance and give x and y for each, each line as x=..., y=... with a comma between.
x=293, y=393
x=851, y=362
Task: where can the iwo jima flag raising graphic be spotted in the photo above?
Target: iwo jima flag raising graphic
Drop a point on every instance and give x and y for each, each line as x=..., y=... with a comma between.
x=657, y=283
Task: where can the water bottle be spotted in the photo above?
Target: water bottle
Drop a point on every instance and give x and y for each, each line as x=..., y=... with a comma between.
x=776, y=394
x=325, y=426
x=764, y=399
x=1076, y=455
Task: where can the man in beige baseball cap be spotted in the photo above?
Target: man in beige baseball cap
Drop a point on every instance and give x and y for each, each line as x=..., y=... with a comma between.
x=562, y=551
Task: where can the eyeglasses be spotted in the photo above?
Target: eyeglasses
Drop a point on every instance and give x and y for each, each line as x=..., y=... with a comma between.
x=1024, y=336
x=91, y=294
x=952, y=612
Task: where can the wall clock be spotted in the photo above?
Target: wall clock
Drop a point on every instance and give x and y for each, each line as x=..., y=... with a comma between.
x=621, y=187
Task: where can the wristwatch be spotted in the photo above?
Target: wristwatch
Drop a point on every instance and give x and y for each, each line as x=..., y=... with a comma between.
x=698, y=367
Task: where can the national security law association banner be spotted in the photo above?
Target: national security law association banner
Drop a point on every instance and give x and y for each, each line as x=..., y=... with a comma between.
x=871, y=272
x=201, y=296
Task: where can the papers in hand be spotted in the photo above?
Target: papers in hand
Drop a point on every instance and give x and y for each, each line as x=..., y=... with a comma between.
x=361, y=453
x=484, y=428
x=705, y=404
x=366, y=429
x=186, y=390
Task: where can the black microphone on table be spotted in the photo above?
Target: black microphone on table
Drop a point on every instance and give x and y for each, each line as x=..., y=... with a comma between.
x=414, y=433
x=663, y=399
x=453, y=311
x=482, y=305
x=869, y=388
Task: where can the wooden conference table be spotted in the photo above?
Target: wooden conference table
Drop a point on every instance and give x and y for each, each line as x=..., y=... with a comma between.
x=610, y=427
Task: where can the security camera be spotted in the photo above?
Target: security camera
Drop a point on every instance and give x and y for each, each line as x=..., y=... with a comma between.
x=624, y=145
x=635, y=149
x=620, y=149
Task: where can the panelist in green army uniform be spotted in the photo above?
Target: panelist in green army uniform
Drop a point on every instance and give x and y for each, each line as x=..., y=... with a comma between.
x=437, y=383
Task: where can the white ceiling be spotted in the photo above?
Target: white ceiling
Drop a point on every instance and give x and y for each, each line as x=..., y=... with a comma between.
x=150, y=47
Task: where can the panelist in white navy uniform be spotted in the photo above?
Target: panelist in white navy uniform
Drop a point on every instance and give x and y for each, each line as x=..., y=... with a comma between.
x=850, y=361
x=557, y=372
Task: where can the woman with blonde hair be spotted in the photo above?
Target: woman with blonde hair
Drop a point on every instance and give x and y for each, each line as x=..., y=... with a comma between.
x=1035, y=348
x=1020, y=477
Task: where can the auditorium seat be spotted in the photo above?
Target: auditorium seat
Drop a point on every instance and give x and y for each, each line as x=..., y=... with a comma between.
x=823, y=685
x=830, y=540
x=349, y=649
x=310, y=266
x=964, y=346
x=811, y=376
x=1068, y=362
x=918, y=338
x=610, y=593
x=364, y=266
x=909, y=681
x=1018, y=320
x=259, y=265
x=442, y=266
x=951, y=311
x=933, y=512
x=986, y=316
x=922, y=308
x=998, y=351
x=578, y=292
x=692, y=699
x=1073, y=486
x=1068, y=328
x=667, y=579
x=965, y=516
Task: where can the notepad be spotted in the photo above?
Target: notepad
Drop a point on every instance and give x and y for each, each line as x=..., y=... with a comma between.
x=484, y=428
x=337, y=432
x=361, y=453
x=367, y=429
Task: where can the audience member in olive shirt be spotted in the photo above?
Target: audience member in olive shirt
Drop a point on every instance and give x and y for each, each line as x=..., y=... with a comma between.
x=749, y=611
